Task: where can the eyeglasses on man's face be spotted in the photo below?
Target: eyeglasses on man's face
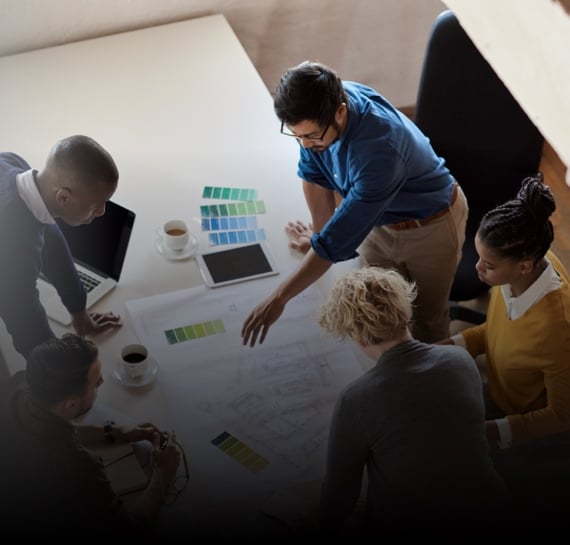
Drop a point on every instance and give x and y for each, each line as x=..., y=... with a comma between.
x=313, y=137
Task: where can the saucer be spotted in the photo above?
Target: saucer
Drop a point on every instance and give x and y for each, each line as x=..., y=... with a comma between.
x=175, y=255
x=136, y=382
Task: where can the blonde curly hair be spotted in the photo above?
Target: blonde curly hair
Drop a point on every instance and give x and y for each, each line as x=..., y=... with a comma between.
x=369, y=304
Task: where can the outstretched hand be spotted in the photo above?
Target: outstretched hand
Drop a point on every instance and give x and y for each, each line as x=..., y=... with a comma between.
x=301, y=234
x=93, y=323
x=260, y=319
x=139, y=432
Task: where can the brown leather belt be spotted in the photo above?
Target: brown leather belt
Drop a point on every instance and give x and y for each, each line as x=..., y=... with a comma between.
x=414, y=224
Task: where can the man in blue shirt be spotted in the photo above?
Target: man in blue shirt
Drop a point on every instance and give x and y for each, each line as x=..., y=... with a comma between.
x=400, y=206
x=78, y=179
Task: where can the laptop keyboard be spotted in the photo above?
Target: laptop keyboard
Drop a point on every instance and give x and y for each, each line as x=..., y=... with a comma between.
x=88, y=281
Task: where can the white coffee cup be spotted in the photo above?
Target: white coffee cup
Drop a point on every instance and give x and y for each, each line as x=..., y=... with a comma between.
x=174, y=235
x=134, y=358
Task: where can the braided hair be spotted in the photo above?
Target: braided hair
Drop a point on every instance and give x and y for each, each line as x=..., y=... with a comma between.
x=520, y=228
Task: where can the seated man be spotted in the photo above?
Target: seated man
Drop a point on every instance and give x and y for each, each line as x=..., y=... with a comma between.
x=415, y=421
x=52, y=485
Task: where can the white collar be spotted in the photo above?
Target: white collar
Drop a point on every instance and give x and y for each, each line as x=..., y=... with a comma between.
x=30, y=194
x=516, y=306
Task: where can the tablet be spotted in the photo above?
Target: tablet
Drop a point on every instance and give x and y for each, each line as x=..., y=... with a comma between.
x=236, y=264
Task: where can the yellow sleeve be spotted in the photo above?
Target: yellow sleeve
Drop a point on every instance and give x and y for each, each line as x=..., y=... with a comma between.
x=555, y=417
x=475, y=339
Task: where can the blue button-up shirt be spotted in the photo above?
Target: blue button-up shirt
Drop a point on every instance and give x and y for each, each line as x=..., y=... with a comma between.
x=384, y=168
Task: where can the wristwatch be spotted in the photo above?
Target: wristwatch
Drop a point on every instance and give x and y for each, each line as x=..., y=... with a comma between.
x=108, y=431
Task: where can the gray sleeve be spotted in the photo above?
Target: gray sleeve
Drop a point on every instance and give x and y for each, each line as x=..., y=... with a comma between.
x=348, y=450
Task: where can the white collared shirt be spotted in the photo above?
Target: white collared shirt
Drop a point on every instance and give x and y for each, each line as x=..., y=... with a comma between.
x=30, y=194
x=516, y=306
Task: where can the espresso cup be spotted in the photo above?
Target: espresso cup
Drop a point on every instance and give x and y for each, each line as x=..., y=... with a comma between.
x=134, y=358
x=174, y=235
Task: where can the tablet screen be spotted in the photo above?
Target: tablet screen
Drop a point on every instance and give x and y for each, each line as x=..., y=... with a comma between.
x=235, y=264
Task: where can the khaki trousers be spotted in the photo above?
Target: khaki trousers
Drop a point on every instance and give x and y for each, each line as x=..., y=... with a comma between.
x=427, y=255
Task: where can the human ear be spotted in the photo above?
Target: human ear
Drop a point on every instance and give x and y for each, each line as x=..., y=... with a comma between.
x=360, y=341
x=526, y=266
x=340, y=112
x=70, y=403
x=63, y=196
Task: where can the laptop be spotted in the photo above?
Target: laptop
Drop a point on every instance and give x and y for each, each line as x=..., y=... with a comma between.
x=98, y=250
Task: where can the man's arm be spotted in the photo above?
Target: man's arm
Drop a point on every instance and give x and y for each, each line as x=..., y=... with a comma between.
x=261, y=317
x=347, y=453
x=58, y=267
x=92, y=435
x=20, y=306
x=322, y=203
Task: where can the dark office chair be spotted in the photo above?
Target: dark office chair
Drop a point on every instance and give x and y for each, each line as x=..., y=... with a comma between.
x=476, y=125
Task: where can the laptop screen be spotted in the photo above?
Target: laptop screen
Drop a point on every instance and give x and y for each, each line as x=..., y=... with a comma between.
x=102, y=244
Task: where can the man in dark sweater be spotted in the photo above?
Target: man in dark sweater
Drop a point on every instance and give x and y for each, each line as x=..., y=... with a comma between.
x=78, y=179
x=53, y=483
x=415, y=421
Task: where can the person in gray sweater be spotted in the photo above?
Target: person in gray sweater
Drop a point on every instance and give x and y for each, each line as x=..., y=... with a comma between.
x=415, y=421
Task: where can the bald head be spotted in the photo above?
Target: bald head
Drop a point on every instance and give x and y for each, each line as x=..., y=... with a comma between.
x=78, y=179
x=81, y=161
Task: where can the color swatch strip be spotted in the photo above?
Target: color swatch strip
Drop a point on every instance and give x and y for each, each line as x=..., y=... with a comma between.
x=229, y=193
x=194, y=331
x=240, y=452
x=224, y=224
x=232, y=209
x=220, y=238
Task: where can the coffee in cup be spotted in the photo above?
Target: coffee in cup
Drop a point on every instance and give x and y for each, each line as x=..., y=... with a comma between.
x=134, y=358
x=174, y=235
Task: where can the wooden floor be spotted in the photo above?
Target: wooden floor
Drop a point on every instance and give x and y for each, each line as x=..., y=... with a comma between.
x=554, y=172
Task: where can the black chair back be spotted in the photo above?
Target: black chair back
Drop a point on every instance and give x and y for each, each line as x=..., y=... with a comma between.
x=473, y=122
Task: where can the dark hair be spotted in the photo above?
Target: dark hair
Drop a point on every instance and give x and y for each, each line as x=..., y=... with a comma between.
x=85, y=158
x=308, y=91
x=521, y=228
x=58, y=368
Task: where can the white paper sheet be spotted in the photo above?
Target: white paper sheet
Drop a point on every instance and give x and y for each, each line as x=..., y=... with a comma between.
x=277, y=397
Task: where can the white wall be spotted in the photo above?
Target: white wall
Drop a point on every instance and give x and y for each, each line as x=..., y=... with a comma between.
x=528, y=45
x=378, y=42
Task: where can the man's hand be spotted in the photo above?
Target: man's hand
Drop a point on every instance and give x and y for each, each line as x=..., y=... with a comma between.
x=86, y=323
x=301, y=234
x=139, y=432
x=165, y=457
x=260, y=319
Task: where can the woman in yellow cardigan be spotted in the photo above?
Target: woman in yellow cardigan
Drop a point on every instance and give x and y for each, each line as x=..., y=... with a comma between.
x=525, y=340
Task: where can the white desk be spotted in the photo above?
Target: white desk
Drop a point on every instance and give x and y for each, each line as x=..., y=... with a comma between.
x=179, y=106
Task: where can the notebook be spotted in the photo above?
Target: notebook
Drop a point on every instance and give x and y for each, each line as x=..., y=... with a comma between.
x=98, y=249
x=123, y=466
x=124, y=462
